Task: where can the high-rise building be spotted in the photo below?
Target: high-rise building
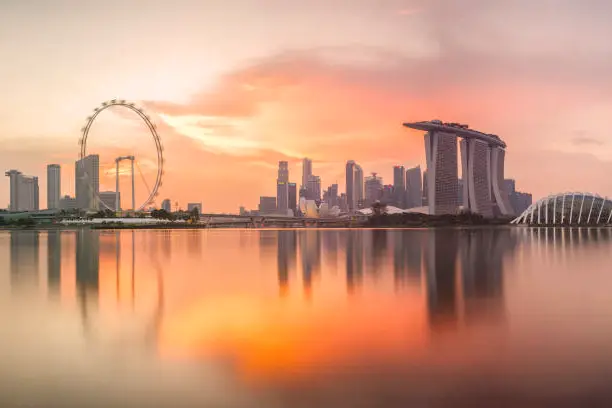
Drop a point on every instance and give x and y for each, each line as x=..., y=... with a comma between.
x=192, y=206
x=87, y=180
x=373, y=189
x=501, y=200
x=283, y=171
x=330, y=196
x=53, y=186
x=282, y=188
x=482, y=169
x=167, y=205
x=109, y=200
x=68, y=203
x=282, y=196
x=23, y=191
x=306, y=171
x=350, y=185
x=388, y=195
x=476, y=162
x=425, y=189
x=267, y=205
x=313, y=188
x=358, y=186
x=519, y=201
x=292, y=197
x=399, y=186
x=441, y=154
x=414, y=188
x=343, y=202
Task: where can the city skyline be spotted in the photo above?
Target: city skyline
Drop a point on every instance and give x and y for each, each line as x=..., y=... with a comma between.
x=270, y=93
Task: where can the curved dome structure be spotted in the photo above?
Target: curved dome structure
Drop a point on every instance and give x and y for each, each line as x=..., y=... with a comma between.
x=575, y=208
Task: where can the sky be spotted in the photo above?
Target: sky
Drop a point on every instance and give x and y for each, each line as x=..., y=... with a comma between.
x=234, y=86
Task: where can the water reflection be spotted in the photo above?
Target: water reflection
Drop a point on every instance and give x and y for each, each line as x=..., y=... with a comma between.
x=24, y=258
x=298, y=318
x=54, y=263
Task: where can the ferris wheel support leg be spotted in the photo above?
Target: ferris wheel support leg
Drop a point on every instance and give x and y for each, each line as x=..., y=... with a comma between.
x=133, y=189
x=116, y=185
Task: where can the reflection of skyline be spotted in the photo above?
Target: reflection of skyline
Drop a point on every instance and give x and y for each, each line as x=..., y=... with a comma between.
x=286, y=258
x=407, y=257
x=24, y=258
x=354, y=260
x=87, y=271
x=54, y=262
x=464, y=272
x=440, y=267
x=310, y=251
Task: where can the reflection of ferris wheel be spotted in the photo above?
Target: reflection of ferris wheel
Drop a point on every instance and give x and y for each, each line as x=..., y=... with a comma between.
x=152, y=129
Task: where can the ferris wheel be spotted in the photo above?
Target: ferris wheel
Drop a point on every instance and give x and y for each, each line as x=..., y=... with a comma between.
x=158, y=146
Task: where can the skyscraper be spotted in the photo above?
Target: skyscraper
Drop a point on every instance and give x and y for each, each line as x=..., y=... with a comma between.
x=425, y=189
x=283, y=171
x=293, y=197
x=282, y=188
x=306, y=171
x=53, y=186
x=267, y=205
x=313, y=188
x=476, y=162
x=482, y=157
x=358, y=186
x=350, y=185
x=442, y=186
x=167, y=205
x=374, y=189
x=23, y=190
x=399, y=186
x=414, y=188
x=87, y=180
x=330, y=196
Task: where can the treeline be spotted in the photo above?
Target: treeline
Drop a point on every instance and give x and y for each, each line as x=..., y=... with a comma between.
x=424, y=220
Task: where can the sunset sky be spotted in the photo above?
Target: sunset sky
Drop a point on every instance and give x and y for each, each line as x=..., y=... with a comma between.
x=236, y=85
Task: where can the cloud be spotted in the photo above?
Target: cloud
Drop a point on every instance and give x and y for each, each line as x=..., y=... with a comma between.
x=409, y=12
x=583, y=139
x=348, y=102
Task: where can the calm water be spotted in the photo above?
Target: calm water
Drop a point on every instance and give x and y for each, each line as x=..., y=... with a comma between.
x=306, y=318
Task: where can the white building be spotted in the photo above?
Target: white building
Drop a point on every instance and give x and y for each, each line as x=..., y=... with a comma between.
x=87, y=181
x=23, y=191
x=53, y=186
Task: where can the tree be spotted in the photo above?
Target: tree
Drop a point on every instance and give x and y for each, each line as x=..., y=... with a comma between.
x=194, y=215
x=162, y=215
x=379, y=208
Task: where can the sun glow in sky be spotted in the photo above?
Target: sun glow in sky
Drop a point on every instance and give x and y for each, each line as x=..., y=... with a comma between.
x=235, y=86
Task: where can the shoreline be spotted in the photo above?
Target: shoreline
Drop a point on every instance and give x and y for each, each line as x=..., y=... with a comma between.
x=323, y=227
